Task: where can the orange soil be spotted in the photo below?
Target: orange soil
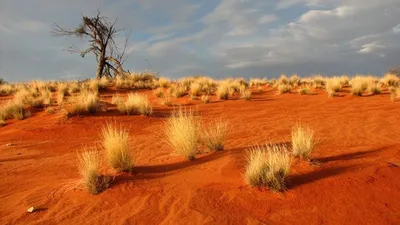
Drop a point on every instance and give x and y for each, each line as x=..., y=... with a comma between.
x=354, y=182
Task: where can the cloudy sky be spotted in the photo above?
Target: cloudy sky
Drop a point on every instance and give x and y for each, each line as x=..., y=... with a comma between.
x=219, y=38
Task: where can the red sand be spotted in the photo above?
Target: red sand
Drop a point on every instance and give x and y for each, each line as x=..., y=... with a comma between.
x=354, y=182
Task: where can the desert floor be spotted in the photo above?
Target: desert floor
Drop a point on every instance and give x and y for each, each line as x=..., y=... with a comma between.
x=354, y=180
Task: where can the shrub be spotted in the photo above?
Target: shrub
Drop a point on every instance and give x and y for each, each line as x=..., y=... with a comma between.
x=89, y=165
x=6, y=89
x=195, y=89
x=135, y=104
x=391, y=80
x=159, y=93
x=14, y=110
x=284, y=88
x=245, y=93
x=305, y=91
x=177, y=90
x=268, y=166
x=223, y=92
x=333, y=85
x=214, y=135
x=85, y=102
x=205, y=99
x=181, y=130
x=118, y=150
x=303, y=141
x=164, y=82
x=374, y=88
x=166, y=100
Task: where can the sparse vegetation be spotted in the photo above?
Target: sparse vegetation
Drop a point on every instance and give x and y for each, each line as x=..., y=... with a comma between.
x=215, y=134
x=181, y=133
x=268, y=166
x=89, y=162
x=303, y=141
x=205, y=99
x=85, y=102
x=115, y=140
x=134, y=103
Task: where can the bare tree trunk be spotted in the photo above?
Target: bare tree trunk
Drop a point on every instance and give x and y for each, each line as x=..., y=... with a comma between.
x=101, y=65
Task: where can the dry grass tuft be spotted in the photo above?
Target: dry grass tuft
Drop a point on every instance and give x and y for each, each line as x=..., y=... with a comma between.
x=89, y=163
x=14, y=110
x=85, y=102
x=303, y=141
x=159, y=92
x=305, y=90
x=245, y=93
x=134, y=104
x=181, y=132
x=205, y=99
x=268, y=166
x=223, y=92
x=214, y=134
x=284, y=88
x=118, y=150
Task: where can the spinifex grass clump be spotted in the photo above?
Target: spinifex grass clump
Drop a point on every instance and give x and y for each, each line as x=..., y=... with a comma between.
x=268, y=166
x=118, y=149
x=181, y=133
x=134, y=104
x=89, y=163
x=214, y=134
x=303, y=141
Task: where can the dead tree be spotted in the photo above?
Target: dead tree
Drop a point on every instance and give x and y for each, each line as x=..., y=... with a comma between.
x=101, y=34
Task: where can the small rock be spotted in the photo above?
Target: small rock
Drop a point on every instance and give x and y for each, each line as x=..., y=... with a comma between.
x=31, y=209
x=9, y=144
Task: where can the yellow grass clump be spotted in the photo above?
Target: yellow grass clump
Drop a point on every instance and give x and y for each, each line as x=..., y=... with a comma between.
x=85, y=102
x=115, y=141
x=303, y=141
x=135, y=103
x=89, y=163
x=268, y=166
x=391, y=80
x=164, y=82
x=181, y=133
x=305, y=90
x=284, y=88
x=245, y=93
x=14, y=110
x=214, y=134
x=222, y=92
x=205, y=99
x=159, y=92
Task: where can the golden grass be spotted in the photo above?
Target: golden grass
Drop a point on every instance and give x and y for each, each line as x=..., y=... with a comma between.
x=14, y=110
x=195, y=89
x=333, y=85
x=303, y=141
x=115, y=141
x=89, y=163
x=245, y=93
x=205, y=99
x=159, y=92
x=223, y=92
x=305, y=90
x=214, y=135
x=177, y=90
x=166, y=100
x=391, y=80
x=134, y=103
x=6, y=89
x=85, y=102
x=164, y=82
x=181, y=133
x=284, y=88
x=268, y=166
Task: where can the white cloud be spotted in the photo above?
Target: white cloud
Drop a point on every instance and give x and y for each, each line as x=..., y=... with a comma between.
x=268, y=19
x=371, y=47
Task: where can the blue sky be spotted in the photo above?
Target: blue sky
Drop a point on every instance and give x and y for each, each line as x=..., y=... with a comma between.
x=219, y=38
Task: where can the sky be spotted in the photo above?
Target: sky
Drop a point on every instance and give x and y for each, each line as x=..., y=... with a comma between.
x=217, y=38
